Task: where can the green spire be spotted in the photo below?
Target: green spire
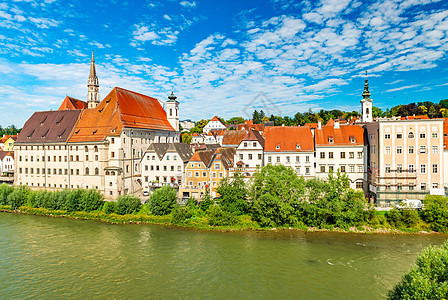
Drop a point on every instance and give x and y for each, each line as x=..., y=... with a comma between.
x=366, y=93
x=172, y=97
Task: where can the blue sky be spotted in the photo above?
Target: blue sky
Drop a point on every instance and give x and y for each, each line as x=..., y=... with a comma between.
x=220, y=55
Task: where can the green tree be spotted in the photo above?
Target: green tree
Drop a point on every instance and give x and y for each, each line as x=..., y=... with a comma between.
x=436, y=212
x=233, y=194
x=428, y=279
x=236, y=120
x=128, y=204
x=162, y=201
x=186, y=138
x=256, y=117
x=377, y=112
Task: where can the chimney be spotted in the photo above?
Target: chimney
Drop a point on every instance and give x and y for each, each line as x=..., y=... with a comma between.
x=336, y=124
x=319, y=124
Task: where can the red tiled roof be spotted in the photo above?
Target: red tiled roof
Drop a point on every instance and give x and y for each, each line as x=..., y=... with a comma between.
x=215, y=118
x=233, y=137
x=312, y=125
x=340, y=136
x=204, y=156
x=422, y=117
x=253, y=135
x=72, y=103
x=7, y=136
x=330, y=122
x=6, y=153
x=121, y=108
x=258, y=127
x=282, y=139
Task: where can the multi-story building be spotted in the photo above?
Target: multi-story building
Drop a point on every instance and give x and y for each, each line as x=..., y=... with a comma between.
x=197, y=175
x=292, y=147
x=6, y=162
x=7, y=142
x=219, y=167
x=214, y=124
x=249, y=155
x=341, y=148
x=406, y=159
x=99, y=147
x=233, y=138
x=164, y=164
x=186, y=125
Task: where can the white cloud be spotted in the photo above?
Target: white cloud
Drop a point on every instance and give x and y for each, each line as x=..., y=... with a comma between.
x=188, y=3
x=402, y=88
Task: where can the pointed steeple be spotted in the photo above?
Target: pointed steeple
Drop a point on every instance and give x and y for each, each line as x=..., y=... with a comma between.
x=366, y=94
x=172, y=111
x=93, y=86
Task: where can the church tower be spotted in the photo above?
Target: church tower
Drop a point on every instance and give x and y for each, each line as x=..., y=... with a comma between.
x=93, y=94
x=366, y=104
x=172, y=111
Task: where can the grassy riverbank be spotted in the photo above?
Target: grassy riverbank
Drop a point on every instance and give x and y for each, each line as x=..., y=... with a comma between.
x=200, y=223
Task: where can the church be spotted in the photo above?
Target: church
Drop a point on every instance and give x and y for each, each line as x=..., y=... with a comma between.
x=94, y=144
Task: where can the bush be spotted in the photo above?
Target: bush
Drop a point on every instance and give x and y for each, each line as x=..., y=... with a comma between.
x=109, y=207
x=5, y=190
x=233, y=194
x=428, y=279
x=72, y=200
x=219, y=217
x=393, y=217
x=162, y=201
x=206, y=202
x=436, y=213
x=405, y=218
x=18, y=197
x=91, y=200
x=128, y=204
x=180, y=214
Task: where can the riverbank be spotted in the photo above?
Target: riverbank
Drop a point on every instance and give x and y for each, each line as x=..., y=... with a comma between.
x=245, y=224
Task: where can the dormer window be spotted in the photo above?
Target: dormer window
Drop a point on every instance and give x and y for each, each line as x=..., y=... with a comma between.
x=298, y=146
x=277, y=147
x=330, y=139
x=352, y=139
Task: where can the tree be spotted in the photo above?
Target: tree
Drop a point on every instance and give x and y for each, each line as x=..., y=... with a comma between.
x=428, y=279
x=186, y=138
x=256, y=117
x=432, y=112
x=436, y=213
x=128, y=204
x=235, y=120
x=162, y=201
x=377, y=112
x=233, y=194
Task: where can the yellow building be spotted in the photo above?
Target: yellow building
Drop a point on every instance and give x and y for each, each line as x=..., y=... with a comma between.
x=7, y=141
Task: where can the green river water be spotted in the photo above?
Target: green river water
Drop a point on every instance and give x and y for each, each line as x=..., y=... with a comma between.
x=55, y=258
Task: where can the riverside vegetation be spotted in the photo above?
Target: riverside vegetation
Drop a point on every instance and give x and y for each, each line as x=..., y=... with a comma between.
x=275, y=197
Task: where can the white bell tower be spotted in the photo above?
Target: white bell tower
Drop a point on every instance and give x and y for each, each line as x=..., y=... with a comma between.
x=366, y=104
x=93, y=87
x=172, y=111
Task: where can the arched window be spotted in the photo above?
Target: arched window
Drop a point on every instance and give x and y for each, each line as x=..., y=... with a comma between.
x=107, y=173
x=367, y=110
x=410, y=135
x=112, y=173
x=171, y=112
x=97, y=171
x=96, y=148
x=87, y=171
x=86, y=149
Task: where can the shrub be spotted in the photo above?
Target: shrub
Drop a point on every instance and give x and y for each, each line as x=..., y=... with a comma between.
x=219, y=217
x=233, y=194
x=206, y=202
x=393, y=217
x=72, y=200
x=162, y=201
x=436, y=213
x=428, y=279
x=180, y=214
x=128, y=204
x=18, y=197
x=91, y=200
x=5, y=190
x=109, y=207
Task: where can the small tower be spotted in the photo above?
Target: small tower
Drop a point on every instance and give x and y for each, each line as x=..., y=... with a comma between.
x=93, y=93
x=172, y=111
x=366, y=104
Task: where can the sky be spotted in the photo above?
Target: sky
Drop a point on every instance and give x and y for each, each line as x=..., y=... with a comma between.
x=223, y=58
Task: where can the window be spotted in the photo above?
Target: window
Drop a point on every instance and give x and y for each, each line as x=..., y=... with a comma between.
x=434, y=168
x=307, y=171
x=167, y=157
x=269, y=159
x=359, y=155
x=218, y=166
x=423, y=169
x=307, y=158
x=245, y=144
x=411, y=169
x=422, y=135
x=435, y=149
x=112, y=141
x=351, y=155
x=86, y=149
x=387, y=150
x=352, y=169
x=175, y=157
x=422, y=149
x=250, y=156
x=423, y=186
x=387, y=136
x=97, y=171
x=172, y=168
x=387, y=168
x=330, y=154
x=343, y=169
x=435, y=185
x=196, y=174
x=322, y=155
x=254, y=144
x=342, y=154
x=214, y=175
x=87, y=171
x=241, y=156
x=322, y=169
x=410, y=135
x=288, y=159
x=399, y=136
x=77, y=171
x=360, y=169
x=399, y=149
x=87, y=158
x=188, y=174
x=259, y=156
x=112, y=154
x=359, y=185
x=434, y=135
x=298, y=170
x=164, y=168
x=399, y=168
x=278, y=159
x=158, y=167
x=204, y=174
x=399, y=187
x=411, y=187
x=330, y=168
x=411, y=149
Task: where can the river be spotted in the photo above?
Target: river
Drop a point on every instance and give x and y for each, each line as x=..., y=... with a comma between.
x=43, y=257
